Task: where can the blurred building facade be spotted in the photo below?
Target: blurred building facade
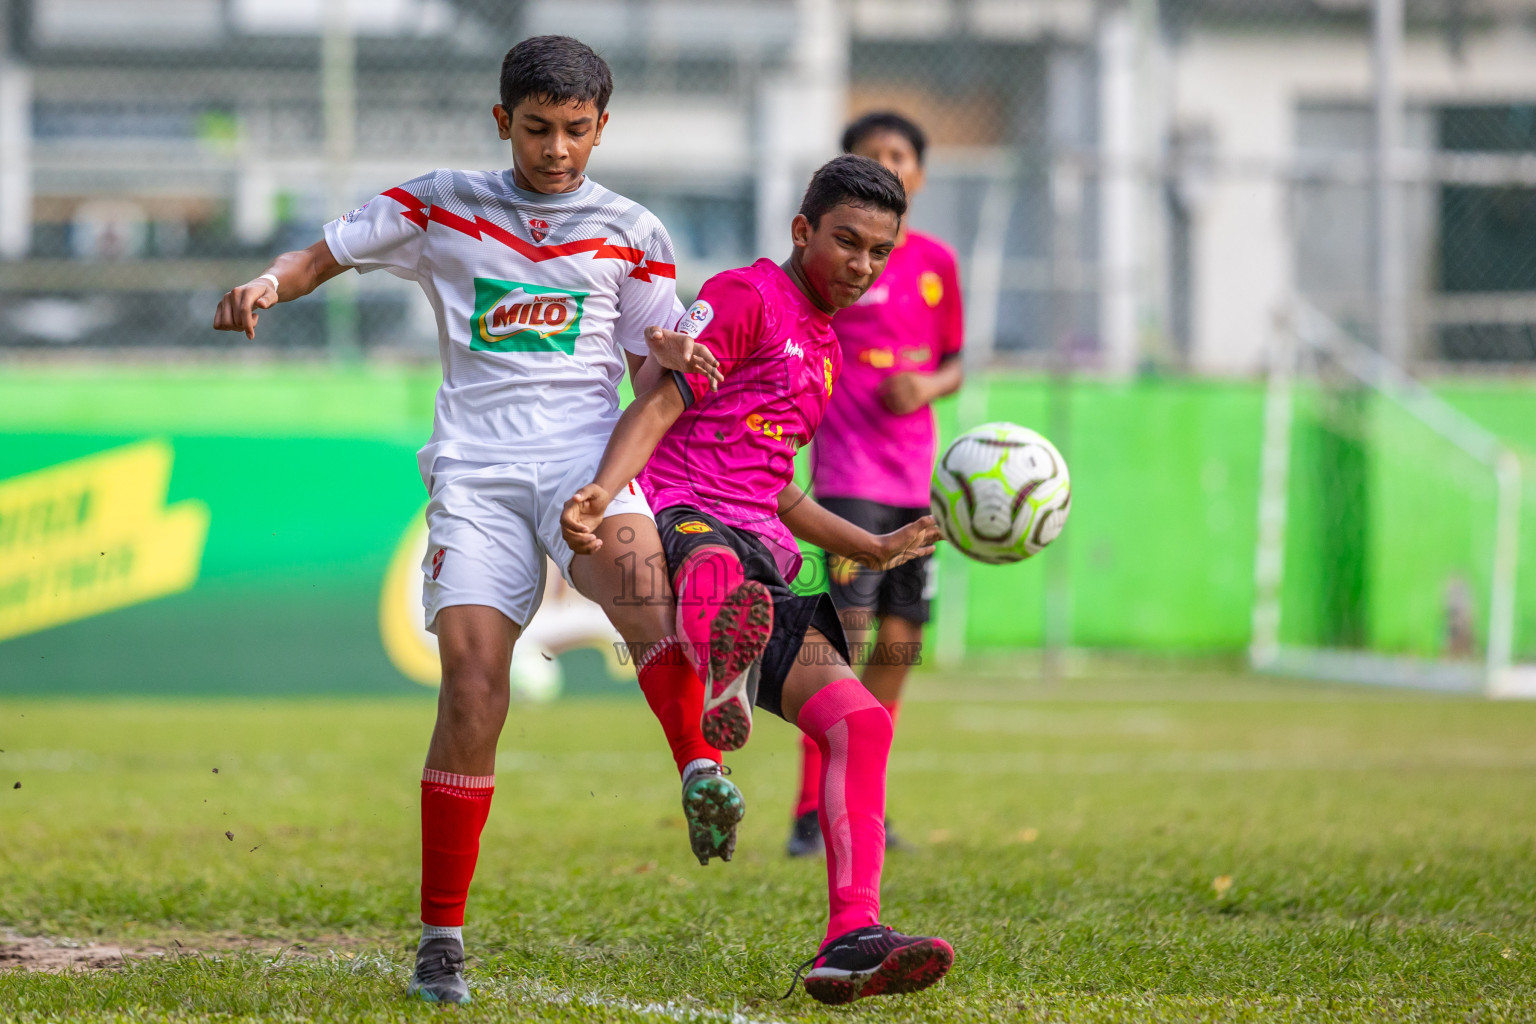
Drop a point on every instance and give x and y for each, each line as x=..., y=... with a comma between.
x=1129, y=183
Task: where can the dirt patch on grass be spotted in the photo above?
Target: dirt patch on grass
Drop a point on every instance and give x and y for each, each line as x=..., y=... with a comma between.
x=55, y=956
x=58, y=955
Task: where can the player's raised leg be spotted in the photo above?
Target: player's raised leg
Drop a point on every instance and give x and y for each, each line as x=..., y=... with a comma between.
x=627, y=577
x=475, y=643
x=859, y=956
x=725, y=620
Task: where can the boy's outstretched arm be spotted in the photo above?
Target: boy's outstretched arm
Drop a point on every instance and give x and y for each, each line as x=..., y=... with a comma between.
x=636, y=436
x=298, y=273
x=674, y=350
x=831, y=532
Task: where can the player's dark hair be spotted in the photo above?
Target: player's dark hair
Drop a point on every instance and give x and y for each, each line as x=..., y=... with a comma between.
x=856, y=181
x=885, y=121
x=555, y=69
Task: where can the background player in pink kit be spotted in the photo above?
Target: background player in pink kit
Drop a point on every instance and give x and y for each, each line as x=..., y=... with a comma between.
x=543, y=283
x=719, y=465
x=874, y=453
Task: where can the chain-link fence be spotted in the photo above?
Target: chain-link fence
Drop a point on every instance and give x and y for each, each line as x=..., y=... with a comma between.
x=1128, y=184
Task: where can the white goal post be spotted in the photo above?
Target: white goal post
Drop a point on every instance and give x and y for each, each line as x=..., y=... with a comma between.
x=1311, y=350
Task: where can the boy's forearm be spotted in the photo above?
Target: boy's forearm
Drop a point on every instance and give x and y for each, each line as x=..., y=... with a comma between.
x=650, y=375
x=636, y=436
x=302, y=271
x=809, y=522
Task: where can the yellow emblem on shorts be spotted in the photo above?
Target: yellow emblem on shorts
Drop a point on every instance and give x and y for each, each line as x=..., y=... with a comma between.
x=826, y=372
x=932, y=287
x=842, y=570
x=694, y=526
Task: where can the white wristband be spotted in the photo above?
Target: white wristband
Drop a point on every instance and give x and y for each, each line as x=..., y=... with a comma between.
x=272, y=278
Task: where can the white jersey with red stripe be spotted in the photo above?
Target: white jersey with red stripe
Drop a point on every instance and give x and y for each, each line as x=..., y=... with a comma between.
x=537, y=297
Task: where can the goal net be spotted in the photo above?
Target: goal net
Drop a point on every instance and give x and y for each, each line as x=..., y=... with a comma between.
x=1390, y=528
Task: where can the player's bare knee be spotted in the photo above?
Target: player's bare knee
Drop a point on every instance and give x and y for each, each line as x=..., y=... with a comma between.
x=643, y=625
x=475, y=659
x=817, y=665
x=477, y=688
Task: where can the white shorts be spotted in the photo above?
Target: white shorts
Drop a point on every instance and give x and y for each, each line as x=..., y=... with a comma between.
x=490, y=526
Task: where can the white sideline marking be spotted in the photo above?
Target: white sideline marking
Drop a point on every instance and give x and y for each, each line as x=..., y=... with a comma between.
x=667, y=1011
x=671, y=1011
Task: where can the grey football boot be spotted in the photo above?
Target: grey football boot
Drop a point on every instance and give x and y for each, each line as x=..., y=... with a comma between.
x=713, y=805
x=439, y=974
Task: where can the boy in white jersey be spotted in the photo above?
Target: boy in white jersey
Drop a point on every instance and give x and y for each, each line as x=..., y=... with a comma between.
x=543, y=283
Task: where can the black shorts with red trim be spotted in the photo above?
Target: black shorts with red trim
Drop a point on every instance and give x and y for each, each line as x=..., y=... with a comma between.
x=685, y=529
x=905, y=591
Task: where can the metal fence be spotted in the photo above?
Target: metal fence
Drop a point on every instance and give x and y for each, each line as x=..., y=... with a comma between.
x=1130, y=184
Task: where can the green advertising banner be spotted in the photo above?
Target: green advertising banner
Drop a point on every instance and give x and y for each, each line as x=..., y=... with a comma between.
x=226, y=531
x=278, y=545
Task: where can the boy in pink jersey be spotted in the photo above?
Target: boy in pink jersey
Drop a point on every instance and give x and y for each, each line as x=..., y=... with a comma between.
x=715, y=453
x=873, y=456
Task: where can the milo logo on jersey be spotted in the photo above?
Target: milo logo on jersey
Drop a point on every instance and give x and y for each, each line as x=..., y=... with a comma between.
x=511, y=316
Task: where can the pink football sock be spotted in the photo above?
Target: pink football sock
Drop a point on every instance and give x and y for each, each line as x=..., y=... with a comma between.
x=702, y=583
x=809, y=797
x=853, y=733
x=810, y=776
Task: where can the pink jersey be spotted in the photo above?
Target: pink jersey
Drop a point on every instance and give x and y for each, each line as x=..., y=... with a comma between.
x=733, y=450
x=910, y=319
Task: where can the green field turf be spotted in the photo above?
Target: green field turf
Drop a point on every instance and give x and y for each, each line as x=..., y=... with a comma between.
x=1380, y=849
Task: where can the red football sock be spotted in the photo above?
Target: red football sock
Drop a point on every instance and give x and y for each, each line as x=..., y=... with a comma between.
x=810, y=776
x=676, y=696
x=702, y=583
x=853, y=733
x=453, y=811
x=892, y=708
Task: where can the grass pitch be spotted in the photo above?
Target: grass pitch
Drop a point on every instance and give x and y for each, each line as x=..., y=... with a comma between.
x=1144, y=849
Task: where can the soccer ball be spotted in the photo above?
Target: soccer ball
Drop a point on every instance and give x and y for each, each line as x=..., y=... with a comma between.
x=1001, y=493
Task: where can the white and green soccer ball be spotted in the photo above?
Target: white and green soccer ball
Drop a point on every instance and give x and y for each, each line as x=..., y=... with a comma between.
x=1001, y=493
